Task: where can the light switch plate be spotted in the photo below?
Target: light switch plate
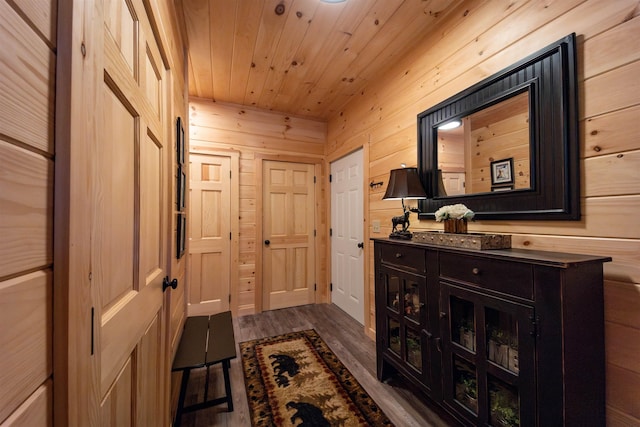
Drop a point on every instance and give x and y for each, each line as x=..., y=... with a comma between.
x=376, y=225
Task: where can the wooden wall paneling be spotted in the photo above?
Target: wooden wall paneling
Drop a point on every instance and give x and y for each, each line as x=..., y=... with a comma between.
x=243, y=119
x=26, y=204
x=612, y=174
x=626, y=342
x=42, y=16
x=622, y=300
x=622, y=392
x=237, y=141
x=35, y=411
x=625, y=252
x=602, y=217
x=388, y=107
x=25, y=305
x=615, y=418
x=610, y=133
x=610, y=91
x=536, y=22
x=27, y=90
x=609, y=50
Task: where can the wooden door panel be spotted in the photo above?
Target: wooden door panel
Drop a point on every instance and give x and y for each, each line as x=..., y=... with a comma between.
x=151, y=226
x=129, y=219
x=116, y=405
x=289, y=222
x=149, y=376
x=114, y=203
x=121, y=26
x=210, y=234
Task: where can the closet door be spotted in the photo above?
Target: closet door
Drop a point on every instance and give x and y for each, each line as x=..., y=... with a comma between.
x=119, y=218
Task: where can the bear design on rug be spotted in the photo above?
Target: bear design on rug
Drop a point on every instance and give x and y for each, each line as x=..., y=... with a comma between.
x=284, y=364
x=310, y=415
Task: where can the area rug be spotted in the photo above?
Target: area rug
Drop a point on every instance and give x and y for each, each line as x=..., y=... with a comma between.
x=295, y=380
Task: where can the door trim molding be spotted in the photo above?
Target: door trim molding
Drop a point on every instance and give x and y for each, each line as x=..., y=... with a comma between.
x=318, y=163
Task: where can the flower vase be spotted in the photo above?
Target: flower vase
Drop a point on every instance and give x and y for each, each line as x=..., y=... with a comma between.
x=458, y=226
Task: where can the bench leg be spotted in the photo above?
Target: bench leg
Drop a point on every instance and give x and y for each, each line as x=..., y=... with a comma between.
x=206, y=386
x=227, y=384
x=183, y=393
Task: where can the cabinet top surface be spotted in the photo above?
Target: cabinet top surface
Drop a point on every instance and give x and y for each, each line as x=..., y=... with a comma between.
x=556, y=259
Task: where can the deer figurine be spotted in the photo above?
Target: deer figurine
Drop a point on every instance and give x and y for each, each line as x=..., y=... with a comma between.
x=402, y=220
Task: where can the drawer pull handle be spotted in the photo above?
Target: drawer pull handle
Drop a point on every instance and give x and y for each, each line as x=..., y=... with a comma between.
x=443, y=314
x=398, y=255
x=475, y=271
x=439, y=344
x=428, y=334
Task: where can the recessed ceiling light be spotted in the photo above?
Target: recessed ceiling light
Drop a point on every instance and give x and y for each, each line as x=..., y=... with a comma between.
x=450, y=125
x=333, y=1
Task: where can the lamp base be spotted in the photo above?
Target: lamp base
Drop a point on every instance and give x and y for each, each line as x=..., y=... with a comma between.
x=401, y=235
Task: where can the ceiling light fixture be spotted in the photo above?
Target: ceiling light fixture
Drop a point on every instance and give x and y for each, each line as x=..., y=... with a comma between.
x=450, y=125
x=333, y=1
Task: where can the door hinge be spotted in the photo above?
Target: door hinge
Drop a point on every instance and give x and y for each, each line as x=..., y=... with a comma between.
x=535, y=320
x=92, y=329
x=314, y=179
x=331, y=287
x=229, y=298
x=229, y=174
x=314, y=233
x=330, y=177
x=230, y=236
x=331, y=232
x=315, y=286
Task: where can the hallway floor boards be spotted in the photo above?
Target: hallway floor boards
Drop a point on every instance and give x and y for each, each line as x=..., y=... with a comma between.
x=347, y=340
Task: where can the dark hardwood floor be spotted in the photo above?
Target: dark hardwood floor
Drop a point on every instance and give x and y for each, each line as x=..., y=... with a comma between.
x=347, y=340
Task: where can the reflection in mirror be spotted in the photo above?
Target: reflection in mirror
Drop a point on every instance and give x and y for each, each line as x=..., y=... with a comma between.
x=499, y=134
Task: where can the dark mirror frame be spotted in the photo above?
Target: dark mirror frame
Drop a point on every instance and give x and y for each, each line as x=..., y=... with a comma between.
x=550, y=76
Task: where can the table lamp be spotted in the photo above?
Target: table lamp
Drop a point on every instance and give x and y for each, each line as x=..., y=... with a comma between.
x=403, y=184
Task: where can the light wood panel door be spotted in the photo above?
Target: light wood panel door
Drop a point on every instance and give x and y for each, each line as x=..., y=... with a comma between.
x=347, y=225
x=288, y=253
x=129, y=215
x=210, y=234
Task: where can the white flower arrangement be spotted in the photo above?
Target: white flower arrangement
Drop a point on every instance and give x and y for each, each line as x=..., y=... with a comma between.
x=458, y=211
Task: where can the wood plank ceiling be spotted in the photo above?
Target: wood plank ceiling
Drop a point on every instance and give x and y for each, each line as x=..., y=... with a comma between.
x=300, y=57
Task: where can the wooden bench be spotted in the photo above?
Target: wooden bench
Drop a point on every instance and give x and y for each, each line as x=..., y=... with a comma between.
x=206, y=340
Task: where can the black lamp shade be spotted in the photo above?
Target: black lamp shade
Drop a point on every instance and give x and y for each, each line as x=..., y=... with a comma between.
x=405, y=184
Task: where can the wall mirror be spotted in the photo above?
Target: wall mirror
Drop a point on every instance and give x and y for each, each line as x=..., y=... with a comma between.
x=507, y=147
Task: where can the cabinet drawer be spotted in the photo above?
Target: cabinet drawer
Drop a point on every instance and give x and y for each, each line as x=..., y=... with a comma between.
x=502, y=276
x=410, y=259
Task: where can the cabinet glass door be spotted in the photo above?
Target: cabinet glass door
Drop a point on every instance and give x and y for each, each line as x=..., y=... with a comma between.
x=404, y=320
x=488, y=351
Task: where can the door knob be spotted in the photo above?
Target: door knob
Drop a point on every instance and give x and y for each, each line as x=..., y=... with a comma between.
x=361, y=245
x=267, y=242
x=166, y=284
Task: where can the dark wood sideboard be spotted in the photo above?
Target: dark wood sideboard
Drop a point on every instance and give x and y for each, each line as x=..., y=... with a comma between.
x=495, y=337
